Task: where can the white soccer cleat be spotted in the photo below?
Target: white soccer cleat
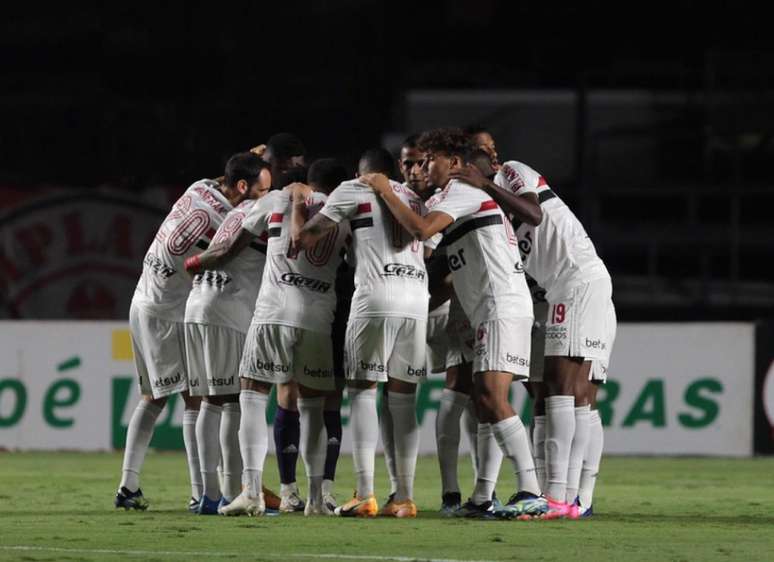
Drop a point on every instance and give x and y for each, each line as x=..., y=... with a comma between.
x=243, y=504
x=313, y=508
x=329, y=504
x=291, y=499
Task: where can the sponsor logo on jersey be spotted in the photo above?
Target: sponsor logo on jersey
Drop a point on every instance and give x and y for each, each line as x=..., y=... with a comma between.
x=375, y=367
x=402, y=270
x=217, y=279
x=271, y=366
x=156, y=266
x=168, y=381
x=554, y=332
x=516, y=360
x=220, y=381
x=317, y=373
x=518, y=268
x=298, y=280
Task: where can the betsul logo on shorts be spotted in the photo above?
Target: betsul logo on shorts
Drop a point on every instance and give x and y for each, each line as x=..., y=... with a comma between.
x=317, y=373
x=168, y=381
x=373, y=367
x=309, y=283
x=421, y=372
x=271, y=366
x=403, y=270
x=219, y=381
x=595, y=344
x=516, y=360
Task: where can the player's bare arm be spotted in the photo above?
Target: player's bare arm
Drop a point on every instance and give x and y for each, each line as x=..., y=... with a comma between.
x=417, y=226
x=526, y=208
x=219, y=254
x=310, y=232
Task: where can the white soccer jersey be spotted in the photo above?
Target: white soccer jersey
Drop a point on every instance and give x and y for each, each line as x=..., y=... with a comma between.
x=164, y=285
x=481, y=248
x=557, y=253
x=390, y=275
x=298, y=288
x=226, y=297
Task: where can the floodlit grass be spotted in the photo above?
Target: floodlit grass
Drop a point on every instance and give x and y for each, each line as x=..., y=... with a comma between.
x=59, y=507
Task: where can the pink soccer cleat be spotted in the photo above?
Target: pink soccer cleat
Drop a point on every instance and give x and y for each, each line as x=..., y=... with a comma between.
x=561, y=510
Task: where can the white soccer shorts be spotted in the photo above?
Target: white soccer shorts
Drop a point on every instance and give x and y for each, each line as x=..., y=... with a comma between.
x=159, y=354
x=503, y=345
x=462, y=337
x=379, y=347
x=278, y=354
x=582, y=323
x=213, y=353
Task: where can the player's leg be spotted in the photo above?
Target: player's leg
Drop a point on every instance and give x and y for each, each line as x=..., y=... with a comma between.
x=315, y=380
x=577, y=332
x=287, y=435
x=447, y=437
x=593, y=455
x=160, y=364
x=580, y=440
x=503, y=349
x=266, y=360
x=365, y=367
x=388, y=443
x=538, y=391
x=333, y=430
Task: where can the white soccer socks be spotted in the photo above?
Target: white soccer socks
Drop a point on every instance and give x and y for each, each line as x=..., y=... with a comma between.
x=592, y=459
x=253, y=439
x=539, y=448
x=388, y=442
x=313, y=444
x=192, y=451
x=512, y=438
x=447, y=437
x=229, y=447
x=365, y=433
x=470, y=427
x=208, y=443
x=580, y=443
x=138, y=438
x=403, y=411
x=560, y=429
x=490, y=457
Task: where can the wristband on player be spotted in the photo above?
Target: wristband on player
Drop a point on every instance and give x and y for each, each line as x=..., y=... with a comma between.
x=193, y=264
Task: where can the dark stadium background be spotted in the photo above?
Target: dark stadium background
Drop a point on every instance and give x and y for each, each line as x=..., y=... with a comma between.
x=136, y=96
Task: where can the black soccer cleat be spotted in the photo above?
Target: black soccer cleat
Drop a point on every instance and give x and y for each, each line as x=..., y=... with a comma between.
x=130, y=500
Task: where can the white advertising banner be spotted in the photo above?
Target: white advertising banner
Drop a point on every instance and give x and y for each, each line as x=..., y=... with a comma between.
x=674, y=389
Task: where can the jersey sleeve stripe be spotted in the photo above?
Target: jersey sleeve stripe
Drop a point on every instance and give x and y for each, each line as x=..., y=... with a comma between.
x=544, y=196
x=276, y=217
x=274, y=232
x=542, y=181
x=363, y=208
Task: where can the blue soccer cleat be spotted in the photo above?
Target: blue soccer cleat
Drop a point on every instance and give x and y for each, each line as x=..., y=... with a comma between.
x=207, y=506
x=450, y=503
x=523, y=505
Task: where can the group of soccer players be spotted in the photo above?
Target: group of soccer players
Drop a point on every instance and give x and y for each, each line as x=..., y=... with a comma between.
x=470, y=266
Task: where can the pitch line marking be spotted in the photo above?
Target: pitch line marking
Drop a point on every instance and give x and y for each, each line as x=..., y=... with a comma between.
x=298, y=556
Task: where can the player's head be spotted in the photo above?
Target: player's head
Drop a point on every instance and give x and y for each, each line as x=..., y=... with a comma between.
x=483, y=139
x=292, y=175
x=325, y=174
x=376, y=161
x=482, y=160
x=246, y=177
x=284, y=151
x=445, y=150
x=410, y=163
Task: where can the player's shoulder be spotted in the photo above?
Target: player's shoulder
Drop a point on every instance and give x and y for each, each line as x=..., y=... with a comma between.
x=352, y=187
x=519, y=175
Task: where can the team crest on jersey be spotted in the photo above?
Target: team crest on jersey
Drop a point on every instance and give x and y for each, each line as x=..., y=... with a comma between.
x=77, y=255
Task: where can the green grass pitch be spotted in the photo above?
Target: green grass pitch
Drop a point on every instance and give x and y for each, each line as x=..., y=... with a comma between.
x=58, y=506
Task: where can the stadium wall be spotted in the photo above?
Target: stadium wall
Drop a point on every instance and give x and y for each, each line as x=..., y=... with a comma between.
x=674, y=389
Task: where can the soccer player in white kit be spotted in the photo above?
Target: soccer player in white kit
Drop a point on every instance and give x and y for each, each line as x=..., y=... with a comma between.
x=386, y=331
x=217, y=316
x=157, y=314
x=579, y=330
x=489, y=281
x=289, y=340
